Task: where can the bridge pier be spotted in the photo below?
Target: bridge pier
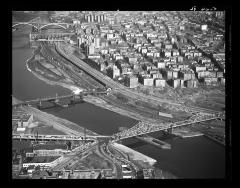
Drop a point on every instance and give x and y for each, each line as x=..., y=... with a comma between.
x=170, y=130
x=72, y=100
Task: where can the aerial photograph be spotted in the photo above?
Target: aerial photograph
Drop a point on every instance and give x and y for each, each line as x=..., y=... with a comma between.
x=118, y=95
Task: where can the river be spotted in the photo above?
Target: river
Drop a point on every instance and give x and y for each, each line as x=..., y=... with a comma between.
x=196, y=157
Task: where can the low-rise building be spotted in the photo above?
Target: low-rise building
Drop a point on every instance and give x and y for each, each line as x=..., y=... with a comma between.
x=180, y=59
x=210, y=81
x=220, y=74
x=191, y=83
x=147, y=81
x=159, y=82
x=169, y=74
x=115, y=72
x=156, y=75
x=25, y=120
x=200, y=68
x=160, y=65
x=222, y=81
x=174, y=83
x=131, y=81
x=167, y=53
x=175, y=74
x=182, y=83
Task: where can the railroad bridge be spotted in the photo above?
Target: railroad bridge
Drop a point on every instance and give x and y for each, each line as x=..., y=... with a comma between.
x=39, y=25
x=56, y=100
x=49, y=36
x=56, y=137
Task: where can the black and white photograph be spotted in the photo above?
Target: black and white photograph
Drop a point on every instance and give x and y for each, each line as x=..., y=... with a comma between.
x=119, y=94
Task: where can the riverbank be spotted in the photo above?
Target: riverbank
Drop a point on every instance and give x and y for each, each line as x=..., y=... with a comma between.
x=135, y=155
x=56, y=122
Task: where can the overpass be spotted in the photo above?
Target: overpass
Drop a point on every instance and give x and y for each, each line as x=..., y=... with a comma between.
x=108, y=82
x=142, y=128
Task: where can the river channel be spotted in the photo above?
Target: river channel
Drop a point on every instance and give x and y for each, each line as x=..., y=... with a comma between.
x=196, y=157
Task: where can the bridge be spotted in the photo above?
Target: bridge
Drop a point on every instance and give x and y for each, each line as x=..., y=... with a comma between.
x=50, y=40
x=55, y=137
x=56, y=99
x=49, y=37
x=38, y=25
x=142, y=128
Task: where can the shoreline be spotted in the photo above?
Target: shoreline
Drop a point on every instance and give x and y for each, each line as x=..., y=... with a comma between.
x=58, y=123
x=135, y=155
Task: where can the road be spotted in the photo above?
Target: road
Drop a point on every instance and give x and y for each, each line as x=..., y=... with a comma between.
x=117, y=170
x=73, y=155
x=132, y=166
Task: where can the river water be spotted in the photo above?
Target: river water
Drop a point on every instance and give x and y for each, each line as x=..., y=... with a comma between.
x=196, y=157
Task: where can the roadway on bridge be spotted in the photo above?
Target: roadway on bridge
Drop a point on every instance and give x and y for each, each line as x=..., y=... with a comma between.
x=142, y=128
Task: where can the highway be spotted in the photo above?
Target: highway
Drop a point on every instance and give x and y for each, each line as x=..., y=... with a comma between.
x=122, y=89
x=116, y=163
x=133, y=167
x=70, y=157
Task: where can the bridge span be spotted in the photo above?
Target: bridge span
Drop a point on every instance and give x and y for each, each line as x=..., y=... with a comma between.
x=56, y=99
x=40, y=25
x=142, y=128
x=56, y=137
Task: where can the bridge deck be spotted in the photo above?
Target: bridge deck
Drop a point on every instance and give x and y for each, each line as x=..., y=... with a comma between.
x=138, y=130
x=59, y=97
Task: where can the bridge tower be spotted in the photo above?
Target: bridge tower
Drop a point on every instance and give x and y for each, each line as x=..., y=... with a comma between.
x=39, y=103
x=30, y=37
x=73, y=99
x=84, y=135
x=56, y=98
x=170, y=130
